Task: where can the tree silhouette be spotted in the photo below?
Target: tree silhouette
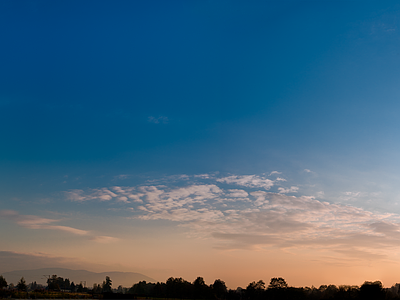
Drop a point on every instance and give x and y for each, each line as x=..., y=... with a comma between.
x=178, y=288
x=79, y=288
x=277, y=283
x=219, y=289
x=201, y=289
x=107, y=285
x=53, y=283
x=3, y=282
x=255, y=289
x=372, y=290
x=21, y=286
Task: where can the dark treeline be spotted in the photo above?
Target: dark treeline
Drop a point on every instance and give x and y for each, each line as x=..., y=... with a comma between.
x=178, y=288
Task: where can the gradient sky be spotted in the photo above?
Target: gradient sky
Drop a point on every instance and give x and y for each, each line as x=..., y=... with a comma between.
x=240, y=140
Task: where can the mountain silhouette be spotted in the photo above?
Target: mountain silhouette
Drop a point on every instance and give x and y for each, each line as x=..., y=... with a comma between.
x=126, y=279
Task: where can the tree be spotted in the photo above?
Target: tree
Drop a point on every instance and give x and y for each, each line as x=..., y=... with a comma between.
x=260, y=285
x=178, y=288
x=53, y=283
x=21, y=286
x=3, y=282
x=96, y=288
x=255, y=289
x=107, y=285
x=277, y=283
x=200, y=288
x=219, y=288
x=372, y=290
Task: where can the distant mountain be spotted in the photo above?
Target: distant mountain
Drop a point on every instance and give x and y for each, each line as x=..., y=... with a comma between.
x=126, y=279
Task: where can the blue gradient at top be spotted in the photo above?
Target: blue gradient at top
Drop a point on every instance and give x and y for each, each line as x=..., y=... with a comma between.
x=198, y=86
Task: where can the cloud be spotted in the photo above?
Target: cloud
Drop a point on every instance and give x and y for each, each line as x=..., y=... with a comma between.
x=292, y=189
x=275, y=219
x=103, y=194
x=158, y=120
x=253, y=216
x=35, y=222
x=351, y=196
x=104, y=239
x=252, y=181
x=280, y=179
x=237, y=193
x=122, y=176
x=275, y=172
x=204, y=176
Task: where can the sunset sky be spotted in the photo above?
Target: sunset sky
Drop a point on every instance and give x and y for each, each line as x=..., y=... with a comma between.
x=239, y=140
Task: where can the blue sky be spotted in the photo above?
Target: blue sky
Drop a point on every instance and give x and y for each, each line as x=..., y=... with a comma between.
x=101, y=95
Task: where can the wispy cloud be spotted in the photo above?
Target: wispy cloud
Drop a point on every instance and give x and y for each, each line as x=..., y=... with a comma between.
x=252, y=181
x=292, y=189
x=103, y=194
x=274, y=172
x=35, y=222
x=254, y=216
x=158, y=120
x=104, y=239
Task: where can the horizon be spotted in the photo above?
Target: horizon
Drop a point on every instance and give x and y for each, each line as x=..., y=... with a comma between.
x=221, y=139
x=109, y=274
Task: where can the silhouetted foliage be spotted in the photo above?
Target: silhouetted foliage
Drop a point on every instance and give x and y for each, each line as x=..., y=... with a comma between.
x=255, y=290
x=277, y=283
x=79, y=288
x=219, y=289
x=178, y=288
x=55, y=283
x=372, y=290
x=96, y=289
x=200, y=289
x=106, y=287
x=21, y=286
x=3, y=282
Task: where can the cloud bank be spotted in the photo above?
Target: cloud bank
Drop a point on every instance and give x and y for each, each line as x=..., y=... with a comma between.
x=250, y=211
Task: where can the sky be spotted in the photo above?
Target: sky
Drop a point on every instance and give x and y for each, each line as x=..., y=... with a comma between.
x=239, y=140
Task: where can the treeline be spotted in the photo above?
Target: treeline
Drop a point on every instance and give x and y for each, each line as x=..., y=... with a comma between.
x=54, y=283
x=178, y=288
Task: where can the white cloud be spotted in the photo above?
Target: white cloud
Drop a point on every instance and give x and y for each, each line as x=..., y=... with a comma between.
x=275, y=172
x=253, y=216
x=252, y=181
x=351, y=196
x=292, y=189
x=204, y=176
x=237, y=193
x=102, y=194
